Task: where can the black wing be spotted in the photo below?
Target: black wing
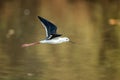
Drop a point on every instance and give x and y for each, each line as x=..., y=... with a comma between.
x=49, y=27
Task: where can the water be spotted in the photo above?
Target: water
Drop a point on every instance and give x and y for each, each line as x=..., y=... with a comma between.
x=92, y=54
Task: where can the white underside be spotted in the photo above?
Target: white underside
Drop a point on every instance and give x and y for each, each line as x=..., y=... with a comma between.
x=56, y=40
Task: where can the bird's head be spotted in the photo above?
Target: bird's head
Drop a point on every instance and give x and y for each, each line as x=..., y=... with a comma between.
x=65, y=39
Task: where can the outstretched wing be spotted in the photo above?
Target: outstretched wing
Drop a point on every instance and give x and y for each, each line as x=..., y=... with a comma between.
x=49, y=27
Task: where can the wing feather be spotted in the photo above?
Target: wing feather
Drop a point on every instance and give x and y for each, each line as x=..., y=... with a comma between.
x=50, y=28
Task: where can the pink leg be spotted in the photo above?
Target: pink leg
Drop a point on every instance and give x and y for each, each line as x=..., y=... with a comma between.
x=30, y=44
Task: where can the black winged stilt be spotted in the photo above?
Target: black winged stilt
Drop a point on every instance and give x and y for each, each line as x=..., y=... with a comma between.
x=51, y=34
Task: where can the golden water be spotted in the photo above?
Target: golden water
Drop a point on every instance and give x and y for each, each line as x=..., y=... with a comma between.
x=91, y=56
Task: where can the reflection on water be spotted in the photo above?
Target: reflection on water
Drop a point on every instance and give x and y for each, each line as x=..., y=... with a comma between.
x=17, y=65
x=55, y=62
x=92, y=54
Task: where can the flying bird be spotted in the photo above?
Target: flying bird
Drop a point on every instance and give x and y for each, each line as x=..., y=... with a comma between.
x=51, y=34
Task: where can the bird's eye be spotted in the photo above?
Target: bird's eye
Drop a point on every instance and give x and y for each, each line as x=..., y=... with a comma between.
x=66, y=39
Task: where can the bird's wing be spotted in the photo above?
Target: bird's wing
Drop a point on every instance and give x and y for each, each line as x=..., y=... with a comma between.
x=50, y=28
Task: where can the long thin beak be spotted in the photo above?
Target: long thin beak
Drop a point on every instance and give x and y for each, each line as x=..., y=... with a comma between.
x=30, y=44
x=74, y=43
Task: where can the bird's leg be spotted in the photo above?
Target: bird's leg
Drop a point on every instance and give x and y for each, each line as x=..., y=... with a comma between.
x=30, y=44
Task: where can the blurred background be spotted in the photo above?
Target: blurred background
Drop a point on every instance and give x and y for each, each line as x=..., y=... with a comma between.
x=93, y=25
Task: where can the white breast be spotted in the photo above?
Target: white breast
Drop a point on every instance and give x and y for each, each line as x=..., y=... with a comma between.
x=57, y=40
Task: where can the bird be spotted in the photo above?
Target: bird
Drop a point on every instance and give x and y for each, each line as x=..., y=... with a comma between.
x=52, y=37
